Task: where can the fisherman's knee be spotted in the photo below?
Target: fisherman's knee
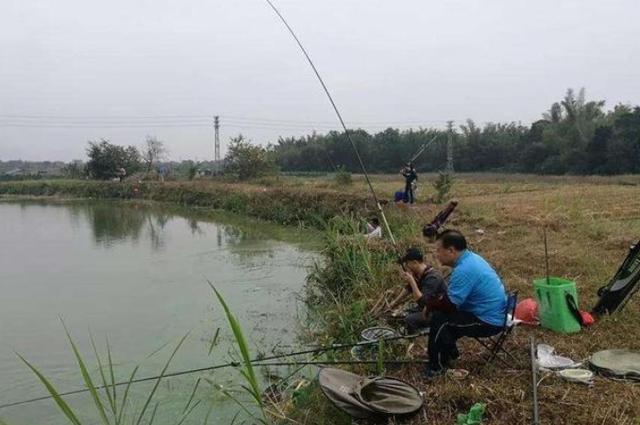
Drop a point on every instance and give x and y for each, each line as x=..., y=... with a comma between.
x=438, y=318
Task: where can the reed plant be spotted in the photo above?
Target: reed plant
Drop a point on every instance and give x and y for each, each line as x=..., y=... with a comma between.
x=251, y=386
x=109, y=407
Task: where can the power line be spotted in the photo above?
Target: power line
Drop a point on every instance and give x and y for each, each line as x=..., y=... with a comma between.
x=69, y=126
x=91, y=117
x=185, y=119
x=198, y=125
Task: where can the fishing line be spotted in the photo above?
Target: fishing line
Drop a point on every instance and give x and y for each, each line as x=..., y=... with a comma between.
x=258, y=361
x=422, y=148
x=346, y=131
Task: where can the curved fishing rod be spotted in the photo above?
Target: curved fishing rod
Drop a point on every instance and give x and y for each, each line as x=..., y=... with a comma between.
x=346, y=131
x=422, y=148
x=258, y=361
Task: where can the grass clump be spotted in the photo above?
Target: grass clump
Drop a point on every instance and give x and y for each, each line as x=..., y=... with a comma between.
x=343, y=176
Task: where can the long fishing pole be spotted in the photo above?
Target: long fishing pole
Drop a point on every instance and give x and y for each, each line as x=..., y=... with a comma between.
x=258, y=361
x=338, y=362
x=335, y=108
x=422, y=149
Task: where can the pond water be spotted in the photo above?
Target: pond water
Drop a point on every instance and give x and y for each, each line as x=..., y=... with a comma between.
x=136, y=273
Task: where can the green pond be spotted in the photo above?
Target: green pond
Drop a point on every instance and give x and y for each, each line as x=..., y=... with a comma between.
x=137, y=274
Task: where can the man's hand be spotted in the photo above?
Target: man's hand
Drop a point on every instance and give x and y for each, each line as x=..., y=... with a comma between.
x=412, y=286
x=407, y=277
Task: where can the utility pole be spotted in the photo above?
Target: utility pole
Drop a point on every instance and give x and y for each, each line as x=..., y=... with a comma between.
x=216, y=155
x=450, y=147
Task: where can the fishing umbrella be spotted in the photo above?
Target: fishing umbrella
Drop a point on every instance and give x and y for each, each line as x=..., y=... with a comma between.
x=362, y=397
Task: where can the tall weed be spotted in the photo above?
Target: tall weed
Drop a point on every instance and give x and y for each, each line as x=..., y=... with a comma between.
x=117, y=409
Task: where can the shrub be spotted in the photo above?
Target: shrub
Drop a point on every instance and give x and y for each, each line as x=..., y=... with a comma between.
x=246, y=161
x=105, y=159
x=343, y=177
x=443, y=186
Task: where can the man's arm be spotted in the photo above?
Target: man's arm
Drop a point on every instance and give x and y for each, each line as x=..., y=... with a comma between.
x=413, y=286
x=442, y=303
x=460, y=286
x=431, y=286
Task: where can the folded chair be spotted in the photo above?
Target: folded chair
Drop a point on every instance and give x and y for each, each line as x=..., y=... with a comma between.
x=495, y=344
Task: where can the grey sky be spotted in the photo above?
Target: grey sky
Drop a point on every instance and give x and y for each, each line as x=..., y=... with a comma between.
x=123, y=64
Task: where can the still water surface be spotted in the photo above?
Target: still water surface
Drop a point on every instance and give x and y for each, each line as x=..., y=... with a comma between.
x=136, y=273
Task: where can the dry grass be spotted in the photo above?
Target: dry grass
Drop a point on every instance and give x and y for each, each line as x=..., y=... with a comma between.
x=591, y=224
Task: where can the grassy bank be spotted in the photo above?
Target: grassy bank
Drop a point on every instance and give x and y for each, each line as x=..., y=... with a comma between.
x=282, y=204
x=591, y=223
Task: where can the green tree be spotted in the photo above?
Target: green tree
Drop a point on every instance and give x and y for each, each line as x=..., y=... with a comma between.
x=105, y=159
x=575, y=136
x=245, y=160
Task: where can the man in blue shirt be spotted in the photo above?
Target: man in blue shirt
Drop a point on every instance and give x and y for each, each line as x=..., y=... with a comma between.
x=475, y=303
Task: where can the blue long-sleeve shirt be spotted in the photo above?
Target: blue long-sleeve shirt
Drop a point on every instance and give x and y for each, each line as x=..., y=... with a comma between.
x=475, y=287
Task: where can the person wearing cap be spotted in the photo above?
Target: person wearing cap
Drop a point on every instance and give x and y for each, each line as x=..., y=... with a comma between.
x=474, y=305
x=424, y=284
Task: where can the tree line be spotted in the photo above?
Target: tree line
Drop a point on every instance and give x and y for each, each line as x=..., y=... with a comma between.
x=574, y=136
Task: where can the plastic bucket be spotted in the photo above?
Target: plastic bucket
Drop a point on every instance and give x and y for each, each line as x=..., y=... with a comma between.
x=553, y=310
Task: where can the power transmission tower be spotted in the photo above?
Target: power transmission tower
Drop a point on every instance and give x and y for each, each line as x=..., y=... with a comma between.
x=216, y=155
x=450, y=147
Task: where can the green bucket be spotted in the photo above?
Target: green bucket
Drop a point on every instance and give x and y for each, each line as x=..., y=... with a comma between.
x=553, y=310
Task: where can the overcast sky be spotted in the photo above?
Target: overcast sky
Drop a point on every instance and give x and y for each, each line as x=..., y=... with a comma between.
x=78, y=70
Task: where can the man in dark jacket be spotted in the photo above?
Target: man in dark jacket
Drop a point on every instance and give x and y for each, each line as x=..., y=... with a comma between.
x=410, y=176
x=424, y=284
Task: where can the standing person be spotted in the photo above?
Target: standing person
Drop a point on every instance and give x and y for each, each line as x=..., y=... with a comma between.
x=424, y=283
x=474, y=305
x=410, y=176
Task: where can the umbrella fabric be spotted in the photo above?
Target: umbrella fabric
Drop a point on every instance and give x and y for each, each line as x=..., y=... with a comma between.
x=389, y=396
x=365, y=397
x=617, y=363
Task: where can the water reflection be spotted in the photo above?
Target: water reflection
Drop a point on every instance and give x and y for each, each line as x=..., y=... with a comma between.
x=136, y=272
x=114, y=222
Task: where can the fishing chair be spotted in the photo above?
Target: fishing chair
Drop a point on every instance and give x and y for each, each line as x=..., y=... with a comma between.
x=495, y=344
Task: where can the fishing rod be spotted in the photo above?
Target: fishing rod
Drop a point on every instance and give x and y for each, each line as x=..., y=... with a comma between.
x=258, y=361
x=344, y=127
x=422, y=148
x=342, y=362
